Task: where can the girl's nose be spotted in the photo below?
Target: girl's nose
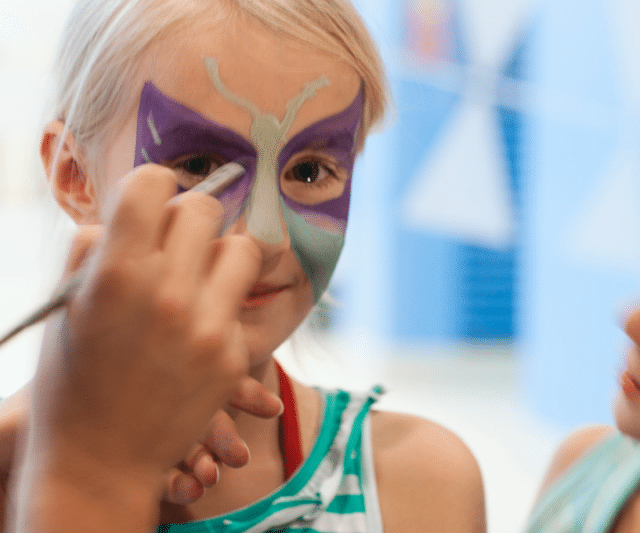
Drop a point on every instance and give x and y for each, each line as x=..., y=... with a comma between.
x=271, y=251
x=263, y=212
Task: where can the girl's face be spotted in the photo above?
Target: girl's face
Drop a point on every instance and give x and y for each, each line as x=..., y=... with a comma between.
x=627, y=405
x=289, y=114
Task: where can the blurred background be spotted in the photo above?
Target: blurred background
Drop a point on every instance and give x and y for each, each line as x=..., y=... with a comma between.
x=494, y=241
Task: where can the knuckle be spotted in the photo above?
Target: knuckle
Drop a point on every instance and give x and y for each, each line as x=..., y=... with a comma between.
x=202, y=205
x=217, y=345
x=212, y=340
x=172, y=307
x=148, y=178
x=127, y=208
x=154, y=172
x=113, y=280
x=242, y=245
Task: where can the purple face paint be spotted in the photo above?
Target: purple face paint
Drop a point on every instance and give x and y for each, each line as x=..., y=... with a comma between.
x=335, y=136
x=168, y=130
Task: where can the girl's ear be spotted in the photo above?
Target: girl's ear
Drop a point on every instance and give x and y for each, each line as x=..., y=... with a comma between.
x=66, y=171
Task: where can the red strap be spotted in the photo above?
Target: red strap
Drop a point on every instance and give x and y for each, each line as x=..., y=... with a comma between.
x=289, y=428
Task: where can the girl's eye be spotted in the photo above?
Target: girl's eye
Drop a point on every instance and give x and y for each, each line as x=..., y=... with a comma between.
x=309, y=172
x=312, y=178
x=193, y=168
x=198, y=166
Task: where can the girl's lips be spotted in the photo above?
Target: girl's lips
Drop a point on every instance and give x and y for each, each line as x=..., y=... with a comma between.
x=630, y=386
x=261, y=294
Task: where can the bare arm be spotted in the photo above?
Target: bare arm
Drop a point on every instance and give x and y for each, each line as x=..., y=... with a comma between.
x=13, y=414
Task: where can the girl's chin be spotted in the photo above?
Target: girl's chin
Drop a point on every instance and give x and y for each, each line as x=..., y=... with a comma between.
x=261, y=348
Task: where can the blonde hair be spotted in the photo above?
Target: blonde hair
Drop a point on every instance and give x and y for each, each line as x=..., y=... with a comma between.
x=105, y=41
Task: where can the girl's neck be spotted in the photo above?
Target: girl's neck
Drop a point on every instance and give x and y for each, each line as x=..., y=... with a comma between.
x=267, y=374
x=265, y=472
x=263, y=435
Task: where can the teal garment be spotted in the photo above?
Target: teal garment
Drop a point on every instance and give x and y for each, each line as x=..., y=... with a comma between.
x=333, y=491
x=593, y=492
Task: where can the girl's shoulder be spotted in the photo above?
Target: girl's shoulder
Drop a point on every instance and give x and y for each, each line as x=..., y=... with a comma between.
x=573, y=448
x=594, y=472
x=427, y=478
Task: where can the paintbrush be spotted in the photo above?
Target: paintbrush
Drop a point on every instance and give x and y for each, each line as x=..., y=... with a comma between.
x=213, y=184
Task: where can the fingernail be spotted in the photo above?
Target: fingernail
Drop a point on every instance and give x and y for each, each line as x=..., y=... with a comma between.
x=248, y=451
x=281, y=407
x=207, y=462
x=217, y=472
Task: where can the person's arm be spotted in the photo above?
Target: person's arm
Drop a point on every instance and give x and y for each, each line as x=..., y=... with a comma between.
x=184, y=483
x=427, y=478
x=69, y=490
x=13, y=417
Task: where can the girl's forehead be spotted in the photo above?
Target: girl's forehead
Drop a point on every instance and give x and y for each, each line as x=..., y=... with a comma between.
x=254, y=65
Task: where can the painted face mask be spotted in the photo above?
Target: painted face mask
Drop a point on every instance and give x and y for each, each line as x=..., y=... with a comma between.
x=308, y=178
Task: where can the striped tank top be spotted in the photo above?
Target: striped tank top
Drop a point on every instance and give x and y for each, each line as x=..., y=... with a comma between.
x=592, y=493
x=333, y=491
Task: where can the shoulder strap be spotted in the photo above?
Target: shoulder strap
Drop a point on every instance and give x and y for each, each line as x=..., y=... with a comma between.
x=289, y=427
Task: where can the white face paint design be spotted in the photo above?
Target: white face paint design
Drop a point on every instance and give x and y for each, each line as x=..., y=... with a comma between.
x=268, y=136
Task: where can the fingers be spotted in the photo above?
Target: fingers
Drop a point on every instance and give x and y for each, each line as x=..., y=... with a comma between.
x=253, y=398
x=150, y=218
x=224, y=442
x=138, y=221
x=196, y=219
x=201, y=464
x=205, y=468
x=187, y=482
x=235, y=270
x=182, y=488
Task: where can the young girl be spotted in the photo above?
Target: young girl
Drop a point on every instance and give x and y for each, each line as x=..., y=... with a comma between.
x=592, y=484
x=164, y=92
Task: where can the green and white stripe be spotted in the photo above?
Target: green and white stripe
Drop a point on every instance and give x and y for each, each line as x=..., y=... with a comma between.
x=591, y=494
x=332, y=492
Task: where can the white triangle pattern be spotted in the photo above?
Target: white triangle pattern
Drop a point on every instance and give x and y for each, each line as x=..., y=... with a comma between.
x=462, y=190
x=626, y=37
x=491, y=28
x=605, y=232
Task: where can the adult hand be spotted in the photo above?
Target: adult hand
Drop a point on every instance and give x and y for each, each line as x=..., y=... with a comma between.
x=148, y=350
x=185, y=483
